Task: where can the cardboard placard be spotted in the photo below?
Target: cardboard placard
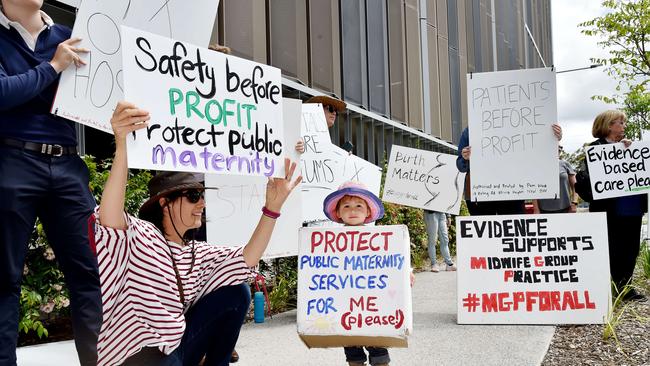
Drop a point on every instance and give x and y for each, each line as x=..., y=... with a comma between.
x=514, y=151
x=533, y=269
x=617, y=171
x=424, y=179
x=354, y=287
x=233, y=211
x=88, y=94
x=210, y=112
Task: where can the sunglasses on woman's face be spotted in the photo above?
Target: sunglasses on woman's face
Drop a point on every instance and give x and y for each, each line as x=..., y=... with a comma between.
x=193, y=195
x=330, y=108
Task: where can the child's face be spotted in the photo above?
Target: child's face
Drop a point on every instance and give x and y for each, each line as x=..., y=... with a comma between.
x=353, y=211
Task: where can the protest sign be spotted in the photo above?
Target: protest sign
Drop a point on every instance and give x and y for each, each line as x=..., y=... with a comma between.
x=326, y=166
x=232, y=211
x=617, y=171
x=88, y=94
x=533, y=269
x=514, y=151
x=423, y=179
x=214, y=114
x=354, y=287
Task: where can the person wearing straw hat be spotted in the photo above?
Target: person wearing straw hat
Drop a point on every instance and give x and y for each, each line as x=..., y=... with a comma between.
x=354, y=205
x=167, y=299
x=332, y=107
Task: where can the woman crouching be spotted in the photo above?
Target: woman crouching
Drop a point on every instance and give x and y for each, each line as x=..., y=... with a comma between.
x=168, y=300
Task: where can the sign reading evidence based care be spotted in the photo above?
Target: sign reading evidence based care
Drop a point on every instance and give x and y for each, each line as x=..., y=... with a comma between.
x=617, y=171
x=210, y=112
x=353, y=286
x=533, y=269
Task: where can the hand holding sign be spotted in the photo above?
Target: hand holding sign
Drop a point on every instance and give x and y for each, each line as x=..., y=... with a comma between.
x=67, y=54
x=126, y=119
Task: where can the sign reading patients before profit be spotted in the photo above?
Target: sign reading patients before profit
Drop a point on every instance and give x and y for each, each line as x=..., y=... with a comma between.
x=514, y=151
x=354, y=286
x=210, y=112
x=617, y=171
x=88, y=94
x=533, y=269
x=423, y=179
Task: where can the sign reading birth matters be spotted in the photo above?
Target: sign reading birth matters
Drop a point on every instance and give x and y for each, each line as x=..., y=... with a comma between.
x=533, y=269
x=514, y=151
x=88, y=94
x=354, y=286
x=423, y=179
x=616, y=171
x=210, y=112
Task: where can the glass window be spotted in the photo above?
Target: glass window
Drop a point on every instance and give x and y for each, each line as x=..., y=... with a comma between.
x=324, y=45
x=353, y=24
x=288, y=28
x=377, y=56
x=244, y=28
x=397, y=60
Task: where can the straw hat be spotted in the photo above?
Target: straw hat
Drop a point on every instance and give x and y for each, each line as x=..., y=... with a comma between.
x=327, y=100
x=355, y=189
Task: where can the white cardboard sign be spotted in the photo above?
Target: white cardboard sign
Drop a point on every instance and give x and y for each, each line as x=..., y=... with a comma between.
x=533, y=269
x=220, y=115
x=514, y=151
x=88, y=94
x=423, y=179
x=616, y=171
x=233, y=210
x=326, y=166
x=353, y=286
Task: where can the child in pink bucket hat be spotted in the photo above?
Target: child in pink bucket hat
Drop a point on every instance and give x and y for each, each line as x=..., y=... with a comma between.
x=343, y=197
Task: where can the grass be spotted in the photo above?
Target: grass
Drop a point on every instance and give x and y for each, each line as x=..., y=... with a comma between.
x=644, y=260
x=615, y=312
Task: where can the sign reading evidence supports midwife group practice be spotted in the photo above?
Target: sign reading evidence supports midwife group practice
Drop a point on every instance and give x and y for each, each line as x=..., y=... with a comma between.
x=210, y=112
x=423, y=179
x=616, y=171
x=88, y=94
x=353, y=286
x=525, y=269
x=514, y=151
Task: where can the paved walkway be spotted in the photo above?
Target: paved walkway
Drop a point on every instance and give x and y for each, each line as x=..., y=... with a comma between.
x=436, y=339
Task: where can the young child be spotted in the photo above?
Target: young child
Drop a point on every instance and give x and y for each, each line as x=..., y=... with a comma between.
x=354, y=205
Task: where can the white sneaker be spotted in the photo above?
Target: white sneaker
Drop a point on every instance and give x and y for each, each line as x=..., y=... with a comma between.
x=451, y=267
x=434, y=268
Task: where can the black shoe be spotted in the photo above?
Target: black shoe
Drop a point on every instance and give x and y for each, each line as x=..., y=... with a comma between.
x=234, y=357
x=633, y=295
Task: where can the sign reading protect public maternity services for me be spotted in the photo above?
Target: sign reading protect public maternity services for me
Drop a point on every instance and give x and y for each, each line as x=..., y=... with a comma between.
x=423, y=179
x=617, y=171
x=88, y=94
x=514, y=151
x=353, y=286
x=210, y=112
x=533, y=269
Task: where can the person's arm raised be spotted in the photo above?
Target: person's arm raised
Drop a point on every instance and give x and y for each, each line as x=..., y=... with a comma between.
x=126, y=119
x=277, y=191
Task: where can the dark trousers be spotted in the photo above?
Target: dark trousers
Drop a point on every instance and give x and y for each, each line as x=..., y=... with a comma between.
x=376, y=355
x=624, y=237
x=495, y=208
x=213, y=326
x=56, y=190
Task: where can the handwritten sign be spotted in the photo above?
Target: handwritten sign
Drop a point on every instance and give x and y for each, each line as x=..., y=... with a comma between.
x=423, y=179
x=353, y=286
x=525, y=269
x=326, y=166
x=88, y=94
x=210, y=112
x=616, y=171
x=514, y=151
x=233, y=210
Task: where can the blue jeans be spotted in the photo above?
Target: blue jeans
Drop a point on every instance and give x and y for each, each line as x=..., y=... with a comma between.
x=213, y=326
x=436, y=223
x=376, y=355
x=55, y=189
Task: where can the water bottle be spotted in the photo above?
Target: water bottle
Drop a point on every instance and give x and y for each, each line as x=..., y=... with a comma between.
x=258, y=305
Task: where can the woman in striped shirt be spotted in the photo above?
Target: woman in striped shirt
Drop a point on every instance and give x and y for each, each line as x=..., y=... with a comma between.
x=168, y=300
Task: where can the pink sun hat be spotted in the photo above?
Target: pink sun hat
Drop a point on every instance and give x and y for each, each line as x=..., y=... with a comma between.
x=355, y=189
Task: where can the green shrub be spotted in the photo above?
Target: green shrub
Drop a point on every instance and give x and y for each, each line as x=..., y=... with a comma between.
x=282, y=277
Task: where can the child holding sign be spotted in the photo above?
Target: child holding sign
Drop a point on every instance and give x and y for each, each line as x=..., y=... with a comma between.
x=354, y=205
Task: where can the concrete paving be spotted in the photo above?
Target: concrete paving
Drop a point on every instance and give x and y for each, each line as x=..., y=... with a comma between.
x=436, y=338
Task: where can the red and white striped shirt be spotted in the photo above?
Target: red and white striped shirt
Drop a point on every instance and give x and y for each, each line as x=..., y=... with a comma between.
x=140, y=296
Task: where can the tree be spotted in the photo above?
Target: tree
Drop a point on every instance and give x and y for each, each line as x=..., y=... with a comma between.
x=625, y=33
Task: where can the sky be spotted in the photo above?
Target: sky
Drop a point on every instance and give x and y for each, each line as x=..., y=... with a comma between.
x=572, y=49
